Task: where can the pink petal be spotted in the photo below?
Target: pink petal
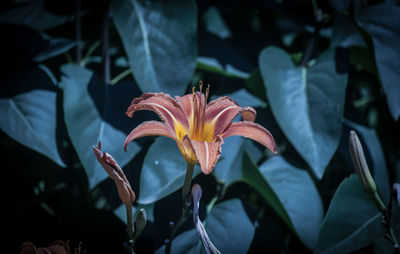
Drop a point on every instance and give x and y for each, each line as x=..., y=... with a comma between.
x=251, y=130
x=223, y=110
x=207, y=153
x=187, y=104
x=115, y=172
x=149, y=128
x=166, y=107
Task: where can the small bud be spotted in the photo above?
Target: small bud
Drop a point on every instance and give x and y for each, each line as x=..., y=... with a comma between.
x=360, y=164
x=141, y=220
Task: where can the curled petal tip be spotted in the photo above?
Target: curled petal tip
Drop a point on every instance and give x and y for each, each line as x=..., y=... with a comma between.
x=97, y=151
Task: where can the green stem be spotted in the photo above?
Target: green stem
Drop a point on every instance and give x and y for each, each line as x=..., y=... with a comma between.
x=185, y=210
x=188, y=181
x=379, y=203
x=90, y=52
x=104, y=42
x=185, y=214
x=212, y=203
x=78, y=32
x=387, y=221
x=120, y=76
x=395, y=242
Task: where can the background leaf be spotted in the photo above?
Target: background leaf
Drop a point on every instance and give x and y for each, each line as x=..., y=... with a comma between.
x=215, y=24
x=291, y=193
x=244, y=99
x=381, y=22
x=30, y=117
x=160, y=41
x=307, y=103
x=212, y=65
x=228, y=227
x=229, y=166
x=55, y=47
x=163, y=171
x=85, y=124
x=345, y=33
x=32, y=13
x=352, y=220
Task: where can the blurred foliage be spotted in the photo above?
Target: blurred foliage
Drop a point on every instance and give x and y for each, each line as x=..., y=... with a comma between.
x=313, y=70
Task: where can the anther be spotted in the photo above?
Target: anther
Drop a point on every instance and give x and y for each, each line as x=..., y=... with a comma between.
x=201, y=85
x=207, y=92
x=194, y=93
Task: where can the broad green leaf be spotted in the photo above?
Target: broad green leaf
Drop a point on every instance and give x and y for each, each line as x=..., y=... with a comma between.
x=345, y=33
x=163, y=171
x=378, y=166
x=229, y=166
x=352, y=220
x=382, y=246
x=159, y=38
x=85, y=124
x=307, y=103
x=212, y=65
x=33, y=14
x=30, y=118
x=244, y=99
x=291, y=193
x=228, y=227
x=55, y=47
x=382, y=24
x=215, y=24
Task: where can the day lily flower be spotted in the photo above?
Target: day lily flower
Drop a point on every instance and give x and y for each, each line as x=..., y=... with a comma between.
x=57, y=247
x=197, y=127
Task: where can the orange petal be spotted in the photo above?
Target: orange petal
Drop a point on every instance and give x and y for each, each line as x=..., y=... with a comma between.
x=223, y=110
x=207, y=153
x=166, y=107
x=251, y=130
x=149, y=128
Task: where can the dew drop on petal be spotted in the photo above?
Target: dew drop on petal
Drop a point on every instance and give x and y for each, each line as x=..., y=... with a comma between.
x=156, y=162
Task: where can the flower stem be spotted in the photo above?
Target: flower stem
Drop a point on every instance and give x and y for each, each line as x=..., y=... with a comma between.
x=120, y=76
x=185, y=209
x=386, y=213
x=78, y=32
x=188, y=181
x=104, y=41
x=379, y=203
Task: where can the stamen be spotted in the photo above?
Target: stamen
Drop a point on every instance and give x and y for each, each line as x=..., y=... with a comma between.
x=201, y=85
x=195, y=120
x=207, y=92
x=194, y=91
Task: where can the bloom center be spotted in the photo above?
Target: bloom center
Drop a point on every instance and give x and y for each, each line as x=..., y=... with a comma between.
x=199, y=129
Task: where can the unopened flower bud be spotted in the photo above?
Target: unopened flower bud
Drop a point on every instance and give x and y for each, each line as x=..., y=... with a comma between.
x=141, y=220
x=115, y=172
x=360, y=164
